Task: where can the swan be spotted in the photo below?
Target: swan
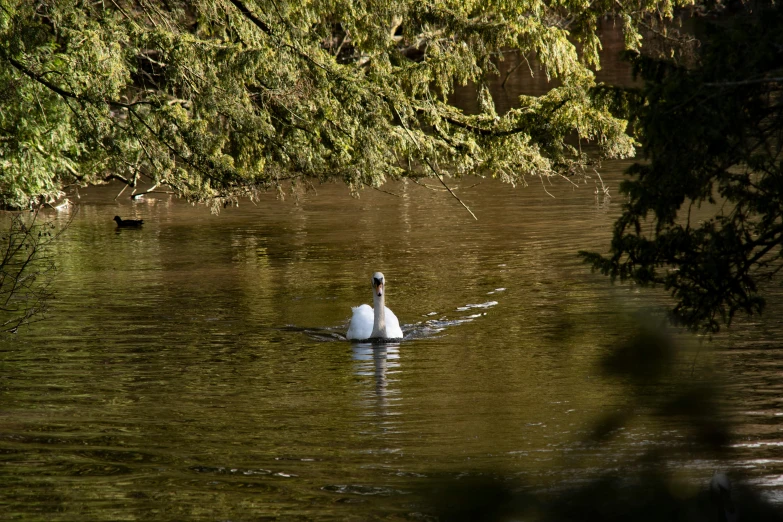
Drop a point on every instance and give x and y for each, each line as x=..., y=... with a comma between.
x=374, y=323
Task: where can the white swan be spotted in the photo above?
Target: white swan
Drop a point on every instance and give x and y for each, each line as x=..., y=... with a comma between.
x=377, y=323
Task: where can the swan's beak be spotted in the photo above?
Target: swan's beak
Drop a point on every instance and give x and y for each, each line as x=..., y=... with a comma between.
x=379, y=290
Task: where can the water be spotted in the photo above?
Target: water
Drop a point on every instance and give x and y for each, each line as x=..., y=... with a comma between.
x=194, y=369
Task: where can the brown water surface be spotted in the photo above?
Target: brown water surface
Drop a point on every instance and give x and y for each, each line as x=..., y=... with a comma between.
x=195, y=368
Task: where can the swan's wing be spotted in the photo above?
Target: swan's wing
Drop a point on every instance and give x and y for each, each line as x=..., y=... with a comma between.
x=361, y=323
x=393, y=330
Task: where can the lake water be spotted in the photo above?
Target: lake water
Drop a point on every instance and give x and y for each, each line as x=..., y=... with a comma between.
x=194, y=369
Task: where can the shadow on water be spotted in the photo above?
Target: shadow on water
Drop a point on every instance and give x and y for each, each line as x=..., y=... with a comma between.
x=662, y=481
x=658, y=483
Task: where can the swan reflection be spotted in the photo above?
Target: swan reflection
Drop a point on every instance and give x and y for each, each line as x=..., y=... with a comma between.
x=381, y=362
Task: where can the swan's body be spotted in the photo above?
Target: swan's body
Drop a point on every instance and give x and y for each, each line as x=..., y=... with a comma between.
x=362, y=324
x=720, y=491
x=376, y=322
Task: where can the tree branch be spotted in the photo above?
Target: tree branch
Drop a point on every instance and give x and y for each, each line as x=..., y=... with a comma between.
x=250, y=16
x=431, y=166
x=68, y=94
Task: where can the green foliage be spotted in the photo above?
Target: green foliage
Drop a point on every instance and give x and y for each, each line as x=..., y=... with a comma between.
x=712, y=135
x=221, y=98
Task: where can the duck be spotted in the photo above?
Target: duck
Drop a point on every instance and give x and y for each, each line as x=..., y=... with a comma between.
x=374, y=322
x=128, y=223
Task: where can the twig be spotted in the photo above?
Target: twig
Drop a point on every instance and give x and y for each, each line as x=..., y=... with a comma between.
x=431, y=166
x=26, y=270
x=381, y=190
x=569, y=180
x=131, y=20
x=59, y=206
x=453, y=194
x=340, y=47
x=250, y=16
x=744, y=82
x=604, y=188
x=693, y=364
x=543, y=185
x=148, y=191
x=509, y=73
x=434, y=189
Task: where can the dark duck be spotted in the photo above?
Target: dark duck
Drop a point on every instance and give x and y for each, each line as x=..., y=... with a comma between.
x=128, y=223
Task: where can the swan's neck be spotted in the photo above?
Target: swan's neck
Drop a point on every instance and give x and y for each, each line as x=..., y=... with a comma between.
x=379, y=309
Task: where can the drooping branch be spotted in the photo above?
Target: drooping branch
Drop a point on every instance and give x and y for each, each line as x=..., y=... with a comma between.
x=68, y=94
x=250, y=16
x=432, y=167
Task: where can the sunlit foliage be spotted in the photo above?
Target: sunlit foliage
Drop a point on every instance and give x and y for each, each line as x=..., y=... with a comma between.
x=704, y=217
x=218, y=99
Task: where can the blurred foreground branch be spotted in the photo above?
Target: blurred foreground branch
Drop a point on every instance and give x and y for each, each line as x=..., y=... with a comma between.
x=27, y=269
x=672, y=472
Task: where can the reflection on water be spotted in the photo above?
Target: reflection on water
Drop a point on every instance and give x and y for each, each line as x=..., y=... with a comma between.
x=379, y=364
x=197, y=368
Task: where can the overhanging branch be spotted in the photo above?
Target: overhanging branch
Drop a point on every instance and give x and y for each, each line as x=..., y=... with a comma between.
x=68, y=94
x=253, y=18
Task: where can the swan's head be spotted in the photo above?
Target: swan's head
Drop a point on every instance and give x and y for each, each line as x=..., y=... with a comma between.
x=378, y=283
